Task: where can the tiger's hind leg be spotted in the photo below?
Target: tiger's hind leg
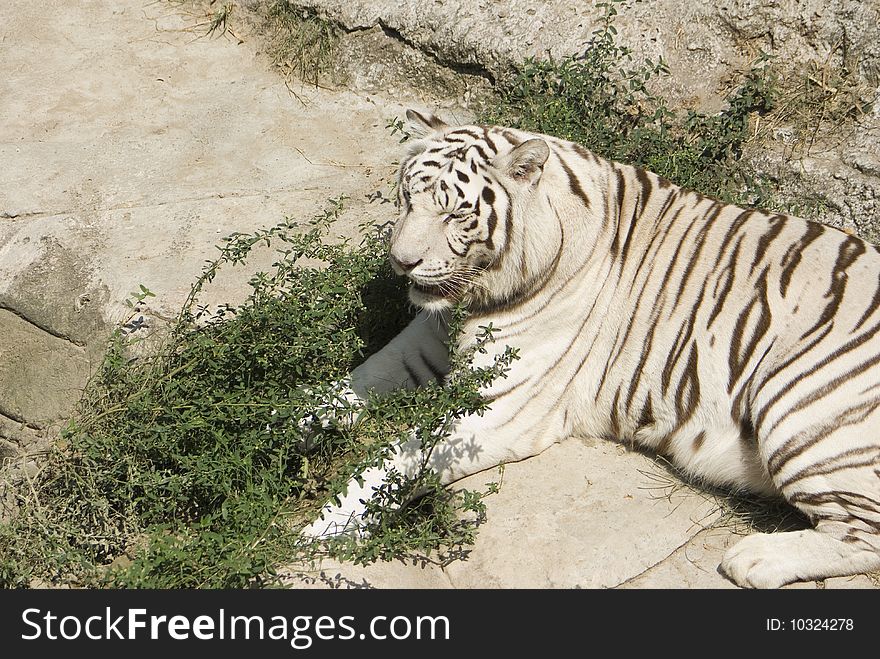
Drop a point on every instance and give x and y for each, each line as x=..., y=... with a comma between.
x=831, y=473
x=771, y=560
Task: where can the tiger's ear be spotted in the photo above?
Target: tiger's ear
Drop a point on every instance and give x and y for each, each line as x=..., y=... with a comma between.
x=424, y=124
x=525, y=162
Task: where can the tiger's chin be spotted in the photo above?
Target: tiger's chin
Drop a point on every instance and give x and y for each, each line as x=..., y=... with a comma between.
x=431, y=298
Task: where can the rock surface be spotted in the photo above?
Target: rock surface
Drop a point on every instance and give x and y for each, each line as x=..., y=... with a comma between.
x=586, y=513
x=703, y=42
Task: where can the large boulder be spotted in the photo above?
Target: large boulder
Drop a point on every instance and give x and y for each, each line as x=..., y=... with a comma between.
x=823, y=158
x=703, y=42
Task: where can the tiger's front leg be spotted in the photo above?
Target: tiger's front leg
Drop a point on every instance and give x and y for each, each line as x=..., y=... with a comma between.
x=415, y=357
x=476, y=443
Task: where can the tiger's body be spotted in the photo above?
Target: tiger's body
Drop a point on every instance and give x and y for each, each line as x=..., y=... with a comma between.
x=744, y=345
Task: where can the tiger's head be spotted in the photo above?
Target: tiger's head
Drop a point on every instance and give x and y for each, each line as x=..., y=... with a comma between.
x=459, y=191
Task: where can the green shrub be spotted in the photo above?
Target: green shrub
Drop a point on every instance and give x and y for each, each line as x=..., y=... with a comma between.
x=186, y=468
x=601, y=99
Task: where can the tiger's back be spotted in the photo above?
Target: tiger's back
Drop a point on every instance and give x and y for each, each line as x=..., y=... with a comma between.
x=695, y=321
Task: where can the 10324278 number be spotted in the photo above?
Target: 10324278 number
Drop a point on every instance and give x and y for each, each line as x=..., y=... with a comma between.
x=810, y=624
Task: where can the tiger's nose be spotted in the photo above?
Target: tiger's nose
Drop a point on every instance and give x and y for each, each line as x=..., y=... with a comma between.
x=404, y=266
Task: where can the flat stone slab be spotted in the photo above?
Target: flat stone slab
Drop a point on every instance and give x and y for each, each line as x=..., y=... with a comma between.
x=583, y=514
x=586, y=513
x=41, y=375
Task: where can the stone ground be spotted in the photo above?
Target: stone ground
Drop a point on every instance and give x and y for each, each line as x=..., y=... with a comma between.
x=131, y=143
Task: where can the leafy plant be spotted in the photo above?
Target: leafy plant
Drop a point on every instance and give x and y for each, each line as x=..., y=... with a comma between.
x=186, y=468
x=602, y=100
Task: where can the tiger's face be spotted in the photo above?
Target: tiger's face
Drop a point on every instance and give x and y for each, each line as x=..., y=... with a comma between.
x=456, y=195
x=448, y=230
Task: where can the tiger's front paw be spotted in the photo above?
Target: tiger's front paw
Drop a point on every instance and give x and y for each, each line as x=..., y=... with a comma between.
x=333, y=525
x=347, y=515
x=340, y=406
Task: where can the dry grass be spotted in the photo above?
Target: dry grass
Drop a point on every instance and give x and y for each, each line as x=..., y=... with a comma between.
x=740, y=513
x=300, y=44
x=817, y=109
x=210, y=18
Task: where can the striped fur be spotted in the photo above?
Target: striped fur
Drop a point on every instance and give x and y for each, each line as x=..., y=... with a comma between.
x=744, y=345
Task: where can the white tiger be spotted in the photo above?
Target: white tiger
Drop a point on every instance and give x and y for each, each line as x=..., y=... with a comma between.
x=744, y=345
